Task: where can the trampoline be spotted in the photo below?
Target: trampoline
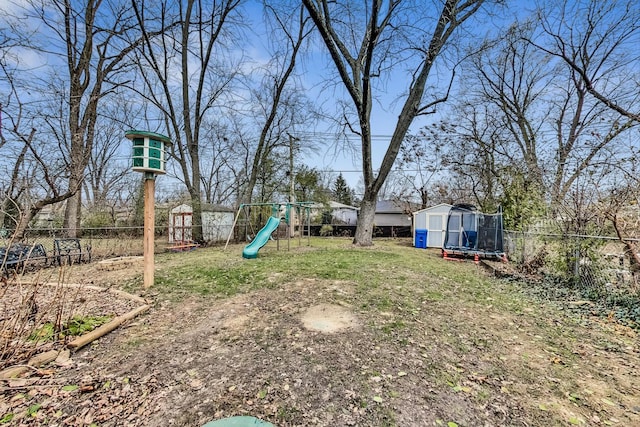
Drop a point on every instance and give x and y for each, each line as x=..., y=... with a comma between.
x=471, y=233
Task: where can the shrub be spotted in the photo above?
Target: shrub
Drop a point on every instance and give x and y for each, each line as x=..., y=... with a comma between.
x=326, y=230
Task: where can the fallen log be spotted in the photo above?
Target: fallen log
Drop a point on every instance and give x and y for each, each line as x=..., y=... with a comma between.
x=119, y=263
x=106, y=328
x=34, y=362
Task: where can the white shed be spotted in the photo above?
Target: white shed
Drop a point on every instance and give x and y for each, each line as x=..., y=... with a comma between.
x=430, y=226
x=217, y=222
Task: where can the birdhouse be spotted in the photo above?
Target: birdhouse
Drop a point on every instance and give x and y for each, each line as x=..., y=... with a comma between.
x=149, y=151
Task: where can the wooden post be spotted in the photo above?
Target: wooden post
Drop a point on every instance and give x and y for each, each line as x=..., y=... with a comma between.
x=300, y=227
x=233, y=227
x=150, y=153
x=149, y=227
x=292, y=193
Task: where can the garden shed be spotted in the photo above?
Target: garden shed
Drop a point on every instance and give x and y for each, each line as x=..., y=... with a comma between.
x=217, y=221
x=430, y=226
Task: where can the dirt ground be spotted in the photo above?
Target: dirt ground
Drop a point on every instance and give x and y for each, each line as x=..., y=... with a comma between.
x=308, y=354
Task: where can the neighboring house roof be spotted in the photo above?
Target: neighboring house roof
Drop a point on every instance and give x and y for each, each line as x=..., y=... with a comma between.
x=332, y=205
x=394, y=207
x=336, y=205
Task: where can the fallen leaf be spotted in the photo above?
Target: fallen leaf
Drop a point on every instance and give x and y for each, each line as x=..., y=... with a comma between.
x=87, y=387
x=33, y=409
x=608, y=402
x=377, y=399
x=64, y=359
x=18, y=382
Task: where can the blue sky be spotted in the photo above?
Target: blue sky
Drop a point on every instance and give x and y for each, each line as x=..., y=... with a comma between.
x=316, y=69
x=390, y=101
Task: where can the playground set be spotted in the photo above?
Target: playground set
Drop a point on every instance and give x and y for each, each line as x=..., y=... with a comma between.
x=287, y=214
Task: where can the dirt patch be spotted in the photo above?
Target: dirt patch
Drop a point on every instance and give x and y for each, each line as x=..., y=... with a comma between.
x=328, y=318
x=320, y=352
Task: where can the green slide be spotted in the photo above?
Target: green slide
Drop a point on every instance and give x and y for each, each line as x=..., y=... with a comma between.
x=251, y=250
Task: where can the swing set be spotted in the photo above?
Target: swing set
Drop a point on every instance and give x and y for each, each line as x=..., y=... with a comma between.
x=283, y=217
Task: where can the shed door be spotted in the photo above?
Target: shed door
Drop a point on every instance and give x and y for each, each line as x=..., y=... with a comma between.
x=182, y=226
x=435, y=235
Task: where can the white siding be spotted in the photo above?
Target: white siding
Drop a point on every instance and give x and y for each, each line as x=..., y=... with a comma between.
x=216, y=226
x=434, y=220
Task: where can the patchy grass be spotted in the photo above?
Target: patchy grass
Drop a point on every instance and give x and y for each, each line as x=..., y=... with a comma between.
x=482, y=339
x=437, y=343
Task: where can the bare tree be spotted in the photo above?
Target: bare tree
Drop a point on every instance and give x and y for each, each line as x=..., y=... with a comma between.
x=184, y=79
x=280, y=105
x=34, y=170
x=365, y=42
x=500, y=127
x=109, y=182
x=420, y=161
x=529, y=129
x=221, y=148
x=585, y=137
x=93, y=38
x=598, y=41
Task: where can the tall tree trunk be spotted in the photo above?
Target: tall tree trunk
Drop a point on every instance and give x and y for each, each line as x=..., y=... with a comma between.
x=71, y=213
x=196, y=205
x=359, y=66
x=366, y=216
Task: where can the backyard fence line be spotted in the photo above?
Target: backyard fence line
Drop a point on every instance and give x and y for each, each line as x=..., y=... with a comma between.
x=599, y=266
x=569, y=235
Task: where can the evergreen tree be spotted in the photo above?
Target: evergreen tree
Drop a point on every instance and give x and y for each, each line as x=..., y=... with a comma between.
x=307, y=184
x=341, y=191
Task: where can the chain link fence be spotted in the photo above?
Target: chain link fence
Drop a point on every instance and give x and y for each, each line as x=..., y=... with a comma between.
x=598, y=271
x=44, y=247
x=584, y=260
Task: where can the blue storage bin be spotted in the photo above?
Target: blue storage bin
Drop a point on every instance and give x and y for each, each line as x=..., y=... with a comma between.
x=421, y=239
